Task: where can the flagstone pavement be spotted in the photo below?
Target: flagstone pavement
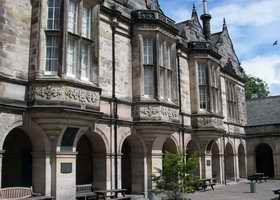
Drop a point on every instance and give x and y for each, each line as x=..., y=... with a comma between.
x=240, y=191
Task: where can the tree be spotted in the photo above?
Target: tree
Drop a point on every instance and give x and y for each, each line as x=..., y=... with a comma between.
x=176, y=177
x=255, y=87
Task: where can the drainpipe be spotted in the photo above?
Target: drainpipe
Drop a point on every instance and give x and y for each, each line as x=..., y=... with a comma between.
x=180, y=103
x=224, y=160
x=114, y=99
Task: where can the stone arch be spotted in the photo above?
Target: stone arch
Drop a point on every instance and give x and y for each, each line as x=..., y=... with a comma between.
x=6, y=130
x=133, y=164
x=17, y=160
x=39, y=151
x=242, y=161
x=170, y=145
x=91, y=160
x=264, y=159
x=229, y=161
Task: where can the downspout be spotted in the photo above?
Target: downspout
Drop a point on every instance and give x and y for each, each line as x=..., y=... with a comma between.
x=180, y=103
x=114, y=100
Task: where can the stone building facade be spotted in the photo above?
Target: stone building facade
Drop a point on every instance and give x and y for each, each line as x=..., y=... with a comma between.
x=263, y=137
x=96, y=91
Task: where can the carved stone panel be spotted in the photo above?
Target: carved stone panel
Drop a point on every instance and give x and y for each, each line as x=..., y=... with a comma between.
x=64, y=93
x=207, y=122
x=156, y=113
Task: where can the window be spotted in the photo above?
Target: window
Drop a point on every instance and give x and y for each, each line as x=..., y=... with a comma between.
x=148, y=52
x=72, y=16
x=203, y=86
x=232, y=102
x=54, y=7
x=52, y=53
x=215, y=91
x=85, y=61
x=166, y=72
x=149, y=68
x=149, y=85
x=86, y=22
x=71, y=57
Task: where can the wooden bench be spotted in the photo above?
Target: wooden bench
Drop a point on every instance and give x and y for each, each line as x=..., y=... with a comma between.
x=277, y=192
x=16, y=193
x=85, y=191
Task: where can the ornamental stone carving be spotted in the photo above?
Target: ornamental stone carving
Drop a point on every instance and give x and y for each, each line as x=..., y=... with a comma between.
x=207, y=122
x=157, y=112
x=64, y=93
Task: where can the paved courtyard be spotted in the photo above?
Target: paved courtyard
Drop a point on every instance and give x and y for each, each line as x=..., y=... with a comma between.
x=239, y=191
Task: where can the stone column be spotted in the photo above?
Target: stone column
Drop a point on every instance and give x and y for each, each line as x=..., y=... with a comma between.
x=206, y=165
x=119, y=171
x=236, y=167
x=41, y=172
x=1, y=159
x=276, y=160
x=154, y=162
x=251, y=163
x=109, y=175
x=65, y=176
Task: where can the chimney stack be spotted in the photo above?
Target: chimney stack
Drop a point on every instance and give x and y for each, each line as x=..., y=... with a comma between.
x=206, y=18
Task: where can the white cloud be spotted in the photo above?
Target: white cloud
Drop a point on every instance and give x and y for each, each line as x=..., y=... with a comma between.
x=254, y=13
x=264, y=67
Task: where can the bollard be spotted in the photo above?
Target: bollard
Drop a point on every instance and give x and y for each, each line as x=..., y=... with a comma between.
x=253, y=187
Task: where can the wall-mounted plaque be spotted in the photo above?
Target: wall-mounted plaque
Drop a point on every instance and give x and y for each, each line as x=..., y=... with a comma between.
x=208, y=162
x=66, y=168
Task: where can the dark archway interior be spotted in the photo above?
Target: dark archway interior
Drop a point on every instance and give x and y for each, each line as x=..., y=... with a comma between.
x=241, y=161
x=264, y=160
x=229, y=162
x=192, y=149
x=84, y=173
x=215, y=162
x=132, y=166
x=17, y=160
x=91, y=161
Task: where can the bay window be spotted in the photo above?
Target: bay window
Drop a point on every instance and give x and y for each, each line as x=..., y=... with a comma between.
x=85, y=61
x=71, y=57
x=53, y=41
x=165, y=71
x=52, y=51
x=72, y=16
x=149, y=68
x=203, y=87
x=54, y=12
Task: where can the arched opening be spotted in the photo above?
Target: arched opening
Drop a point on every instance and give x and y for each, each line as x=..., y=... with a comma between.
x=229, y=162
x=132, y=165
x=91, y=161
x=192, y=149
x=264, y=160
x=241, y=161
x=17, y=160
x=169, y=146
x=216, y=173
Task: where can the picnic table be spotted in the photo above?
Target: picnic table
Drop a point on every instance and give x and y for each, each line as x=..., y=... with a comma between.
x=116, y=194
x=208, y=182
x=258, y=177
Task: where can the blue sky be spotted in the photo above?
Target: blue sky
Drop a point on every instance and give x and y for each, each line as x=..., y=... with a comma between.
x=253, y=25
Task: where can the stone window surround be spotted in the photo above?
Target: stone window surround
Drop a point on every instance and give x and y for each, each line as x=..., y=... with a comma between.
x=232, y=101
x=63, y=36
x=158, y=38
x=213, y=87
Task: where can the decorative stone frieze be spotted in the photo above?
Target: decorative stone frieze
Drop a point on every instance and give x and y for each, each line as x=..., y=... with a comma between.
x=65, y=93
x=207, y=121
x=156, y=112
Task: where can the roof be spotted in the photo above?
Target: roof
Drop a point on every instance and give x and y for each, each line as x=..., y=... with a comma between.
x=263, y=111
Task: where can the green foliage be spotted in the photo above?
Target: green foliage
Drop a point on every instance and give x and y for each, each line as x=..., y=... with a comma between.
x=255, y=87
x=176, y=177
